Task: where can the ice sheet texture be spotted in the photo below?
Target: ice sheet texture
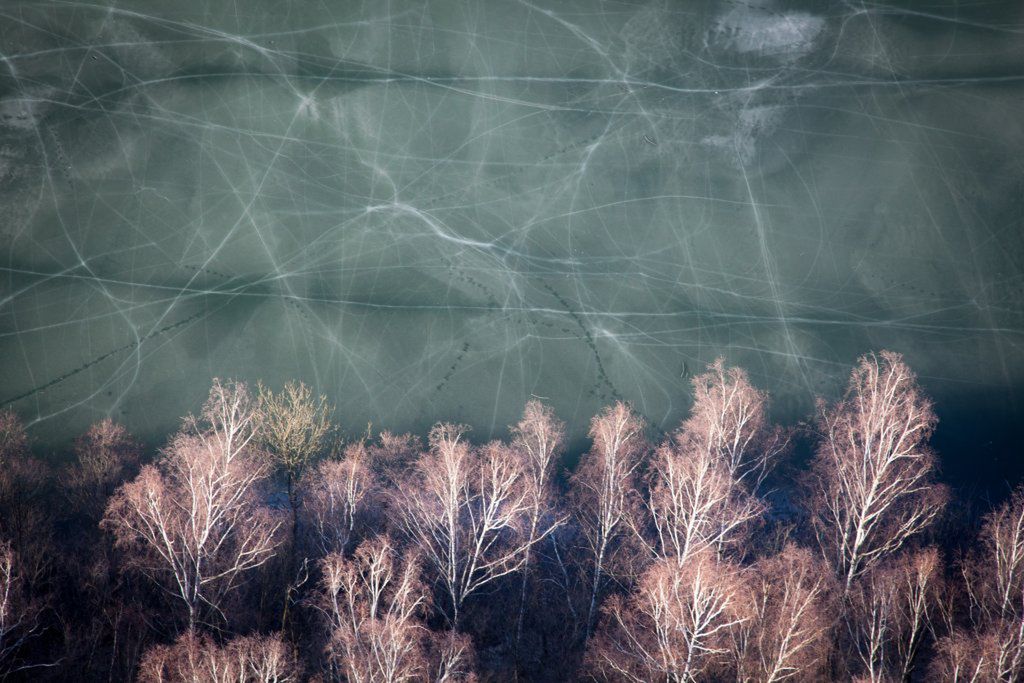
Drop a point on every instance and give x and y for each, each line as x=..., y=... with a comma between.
x=436, y=210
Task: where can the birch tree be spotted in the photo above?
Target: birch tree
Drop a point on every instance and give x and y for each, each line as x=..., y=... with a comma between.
x=13, y=438
x=890, y=614
x=676, y=625
x=964, y=657
x=19, y=613
x=537, y=439
x=105, y=456
x=728, y=423
x=873, y=473
x=466, y=510
x=334, y=495
x=603, y=491
x=194, y=522
x=992, y=646
x=792, y=609
x=375, y=604
x=245, y=659
x=696, y=503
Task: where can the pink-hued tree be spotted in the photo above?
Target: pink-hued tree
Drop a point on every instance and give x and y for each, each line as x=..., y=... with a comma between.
x=792, y=610
x=195, y=521
x=728, y=423
x=604, y=491
x=374, y=604
x=965, y=657
x=991, y=648
x=392, y=456
x=537, y=439
x=696, y=503
x=873, y=473
x=413, y=547
x=245, y=659
x=334, y=495
x=676, y=626
x=452, y=658
x=995, y=572
x=889, y=613
x=229, y=420
x=105, y=456
x=466, y=510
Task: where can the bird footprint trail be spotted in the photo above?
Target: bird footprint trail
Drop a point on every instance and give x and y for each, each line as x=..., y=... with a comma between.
x=99, y=359
x=588, y=338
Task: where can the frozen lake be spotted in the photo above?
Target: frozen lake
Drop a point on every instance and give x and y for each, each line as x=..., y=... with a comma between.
x=436, y=210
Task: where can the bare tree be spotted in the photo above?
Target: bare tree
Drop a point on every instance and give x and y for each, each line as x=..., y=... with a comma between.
x=26, y=511
x=994, y=577
x=334, y=495
x=13, y=439
x=453, y=659
x=676, y=626
x=466, y=512
x=538, y=439
x=873, y=472
x=890, y=614
x=228, y=421
x=374, y=604
x=104, y=457
x=393, y=456
x=695, y=501
x=19, y=613
x=995, y=572
x=294, y=426
x=728, y=423
x=963, y=657
x=792, y=610
x=603, y=490
x=194, y=522
x=193, y=658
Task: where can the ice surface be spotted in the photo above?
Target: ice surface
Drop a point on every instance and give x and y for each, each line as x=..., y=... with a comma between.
x=436, y=210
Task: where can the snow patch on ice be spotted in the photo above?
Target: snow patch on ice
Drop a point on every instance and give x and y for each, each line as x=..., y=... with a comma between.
x=756, y=27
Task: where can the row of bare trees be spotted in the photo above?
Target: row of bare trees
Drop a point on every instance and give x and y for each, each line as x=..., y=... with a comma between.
x=258, y=546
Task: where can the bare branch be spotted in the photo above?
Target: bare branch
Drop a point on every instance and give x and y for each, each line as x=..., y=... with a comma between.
x=604, y=490
x=194, y=522
x=466, y=511
x=246, y=659
x=676, y=626
x=873, y=472
x=789, y=635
